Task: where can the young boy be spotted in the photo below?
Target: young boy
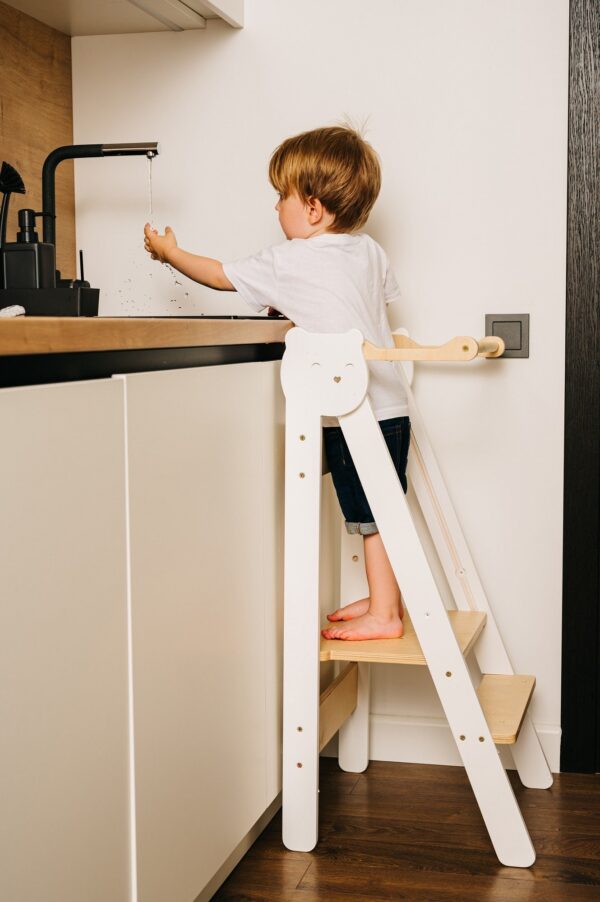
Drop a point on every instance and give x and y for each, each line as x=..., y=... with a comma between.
x=327, y=277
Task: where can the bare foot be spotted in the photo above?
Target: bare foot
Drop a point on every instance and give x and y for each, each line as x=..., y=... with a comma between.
x=366, y=626
x=355, y=609
x=350, y=611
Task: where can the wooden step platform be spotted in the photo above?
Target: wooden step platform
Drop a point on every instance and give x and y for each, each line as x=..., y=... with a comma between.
x=467, y=626
x=504, y=699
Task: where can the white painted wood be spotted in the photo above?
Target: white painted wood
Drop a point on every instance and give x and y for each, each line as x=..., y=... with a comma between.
x=465, y=584
x=311, y=386
x=487, y=775
x=64, y=834
x=301, y=630
x=353, y=740
x=301, y=616
x=529, y=758
x=353, y=743
x=444, y=528
x=205, y=447
x=323, y=373
x=353, y=576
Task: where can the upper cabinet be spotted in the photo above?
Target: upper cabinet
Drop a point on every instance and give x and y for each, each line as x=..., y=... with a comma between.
x=87, y=17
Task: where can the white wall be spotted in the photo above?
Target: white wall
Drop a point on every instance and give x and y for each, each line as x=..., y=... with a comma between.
x=466, y=102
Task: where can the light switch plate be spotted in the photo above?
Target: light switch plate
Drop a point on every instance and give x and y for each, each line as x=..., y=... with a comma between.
x=513, y=329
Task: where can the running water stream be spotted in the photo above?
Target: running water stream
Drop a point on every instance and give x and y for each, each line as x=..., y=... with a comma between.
x=176, y=276
x=151, y=211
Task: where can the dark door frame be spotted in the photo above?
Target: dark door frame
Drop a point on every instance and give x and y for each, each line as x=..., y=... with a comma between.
x=580, y=748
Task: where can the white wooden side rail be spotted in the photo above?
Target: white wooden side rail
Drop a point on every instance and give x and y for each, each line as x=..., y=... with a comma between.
x=327, y=375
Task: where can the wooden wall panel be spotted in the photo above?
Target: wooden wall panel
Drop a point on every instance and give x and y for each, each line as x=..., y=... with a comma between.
x=36, y=115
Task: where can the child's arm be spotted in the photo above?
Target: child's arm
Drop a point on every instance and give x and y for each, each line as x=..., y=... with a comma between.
x=205, y=270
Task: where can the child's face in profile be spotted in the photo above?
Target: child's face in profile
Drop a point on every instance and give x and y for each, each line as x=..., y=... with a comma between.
x=294, y=217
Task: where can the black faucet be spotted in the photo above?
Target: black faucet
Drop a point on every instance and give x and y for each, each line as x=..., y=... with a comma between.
x=77, y=151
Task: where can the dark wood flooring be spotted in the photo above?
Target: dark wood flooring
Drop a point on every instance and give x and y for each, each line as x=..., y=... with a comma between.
x=414, y=832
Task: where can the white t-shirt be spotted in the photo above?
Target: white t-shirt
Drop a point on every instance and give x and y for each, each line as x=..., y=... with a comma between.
x=330, y=283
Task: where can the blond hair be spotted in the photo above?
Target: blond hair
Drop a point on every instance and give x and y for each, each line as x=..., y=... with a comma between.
x=335, y=165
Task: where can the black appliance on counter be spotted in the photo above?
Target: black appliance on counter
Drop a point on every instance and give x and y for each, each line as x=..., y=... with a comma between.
x=28, y=274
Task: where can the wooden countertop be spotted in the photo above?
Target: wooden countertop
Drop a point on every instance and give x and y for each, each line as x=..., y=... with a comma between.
x=56, y=334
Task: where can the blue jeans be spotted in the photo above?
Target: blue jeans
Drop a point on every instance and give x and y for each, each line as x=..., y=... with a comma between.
x=351, y=495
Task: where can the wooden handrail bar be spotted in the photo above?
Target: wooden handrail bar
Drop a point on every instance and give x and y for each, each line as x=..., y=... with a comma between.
x=463, y=348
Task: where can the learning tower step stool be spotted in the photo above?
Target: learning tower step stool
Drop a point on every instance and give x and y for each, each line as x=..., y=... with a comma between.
x=327, y=375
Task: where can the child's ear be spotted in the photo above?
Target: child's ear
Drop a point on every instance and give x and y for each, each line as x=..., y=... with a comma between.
x=315, y=210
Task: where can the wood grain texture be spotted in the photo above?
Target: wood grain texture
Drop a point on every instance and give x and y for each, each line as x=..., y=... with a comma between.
x=461, y=348
x=414, y=832
x=467, y=626
x=580, y=749
x=505, y=699
x=54, y=334
x=36, y=115
x=337, y=703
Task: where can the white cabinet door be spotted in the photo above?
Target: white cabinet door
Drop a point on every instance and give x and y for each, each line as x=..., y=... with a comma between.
x=63, y=644
x=206, y=508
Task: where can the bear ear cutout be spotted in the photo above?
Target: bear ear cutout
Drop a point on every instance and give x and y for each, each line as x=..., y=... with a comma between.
x=294, y=336
x=357, y=336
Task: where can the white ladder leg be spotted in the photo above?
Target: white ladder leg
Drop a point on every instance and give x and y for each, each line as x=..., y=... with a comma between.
x=467, y=589
x=353, y=737
x=447, y=666
x=353, y=748
x=301, y=627
x=529, y=758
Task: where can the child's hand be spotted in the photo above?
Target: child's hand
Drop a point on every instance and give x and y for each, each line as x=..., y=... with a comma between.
x=158, y=246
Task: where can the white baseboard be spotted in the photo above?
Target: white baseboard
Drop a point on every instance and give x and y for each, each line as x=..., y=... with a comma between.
x=428, y=740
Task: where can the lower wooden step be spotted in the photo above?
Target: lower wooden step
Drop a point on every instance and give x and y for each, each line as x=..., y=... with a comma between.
x=504, y=699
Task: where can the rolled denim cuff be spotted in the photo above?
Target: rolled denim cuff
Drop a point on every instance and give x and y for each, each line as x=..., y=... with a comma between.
x=361, y=529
